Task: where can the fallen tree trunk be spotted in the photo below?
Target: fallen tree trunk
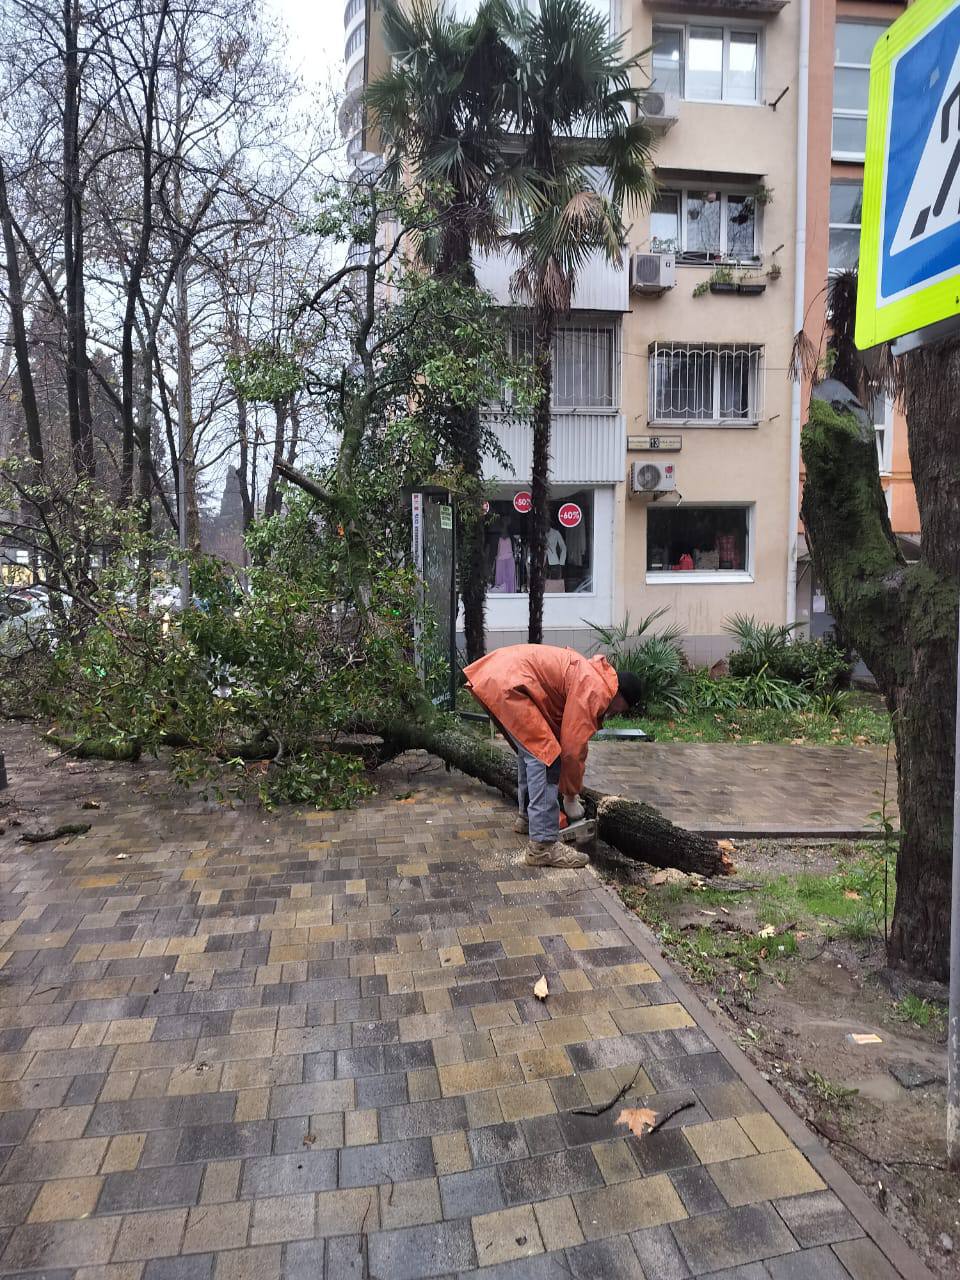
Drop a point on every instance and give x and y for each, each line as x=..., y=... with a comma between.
x=634, y=829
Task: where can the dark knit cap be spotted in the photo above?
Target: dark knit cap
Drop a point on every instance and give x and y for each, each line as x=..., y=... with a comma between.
x=630, y=687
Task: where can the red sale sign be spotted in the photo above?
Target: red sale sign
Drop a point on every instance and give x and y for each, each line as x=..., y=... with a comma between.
x=569, y=515
x=522, y=502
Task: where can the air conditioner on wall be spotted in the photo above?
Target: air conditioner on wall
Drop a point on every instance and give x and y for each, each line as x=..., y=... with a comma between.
x=660, y=109
x=652, y=272
x=653, y=477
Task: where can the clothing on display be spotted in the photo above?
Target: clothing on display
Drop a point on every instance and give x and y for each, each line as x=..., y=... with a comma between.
x=556, y=548
x=577, y=544
x=505, y=569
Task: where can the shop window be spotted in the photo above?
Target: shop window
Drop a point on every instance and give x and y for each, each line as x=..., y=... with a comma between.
x=702, y=540
x=569, y=566
x=705, y=226
x=707, y=63
x=697, y=382
x=846, y=212
x=851, y=85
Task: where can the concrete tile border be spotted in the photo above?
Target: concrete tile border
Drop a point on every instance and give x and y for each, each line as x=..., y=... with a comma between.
x=890, y=1243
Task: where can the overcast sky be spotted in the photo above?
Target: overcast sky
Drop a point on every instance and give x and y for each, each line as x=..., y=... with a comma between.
x=316, y=37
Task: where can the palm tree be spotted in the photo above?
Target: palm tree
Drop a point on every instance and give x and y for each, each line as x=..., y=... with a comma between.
x=582, y=157
x=439, y=112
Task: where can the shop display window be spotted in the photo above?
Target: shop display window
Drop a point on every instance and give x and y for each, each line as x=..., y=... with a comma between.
x=569, y=566
x=702, y=539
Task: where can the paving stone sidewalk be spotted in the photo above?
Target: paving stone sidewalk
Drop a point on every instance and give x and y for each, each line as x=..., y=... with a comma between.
x=240, y=1047
x=740, y=788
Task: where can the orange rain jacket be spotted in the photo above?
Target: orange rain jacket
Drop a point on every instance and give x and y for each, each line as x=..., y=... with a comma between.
x=550, y=700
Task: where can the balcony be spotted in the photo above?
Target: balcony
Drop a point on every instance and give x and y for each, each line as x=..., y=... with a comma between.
x=601, y=285
x=585, y=448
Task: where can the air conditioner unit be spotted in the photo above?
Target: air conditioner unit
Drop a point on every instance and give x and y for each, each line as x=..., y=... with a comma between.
x=653, y=477
x=652, y=272
x=660, y=109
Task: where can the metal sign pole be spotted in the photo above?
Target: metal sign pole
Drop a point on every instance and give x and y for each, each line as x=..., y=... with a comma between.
x=953, y=1015
x=453, y=603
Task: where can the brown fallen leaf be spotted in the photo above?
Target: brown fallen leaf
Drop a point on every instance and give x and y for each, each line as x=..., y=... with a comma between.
x=541, y=990
x=726, y=846
x=637, y=1119
x=767, y=931
x=851, y=893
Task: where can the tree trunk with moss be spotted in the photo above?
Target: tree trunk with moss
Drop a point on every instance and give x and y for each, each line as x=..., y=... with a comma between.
x=901, y=618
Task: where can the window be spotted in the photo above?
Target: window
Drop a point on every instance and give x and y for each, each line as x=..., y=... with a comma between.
x=707, y=63
x=697, y=382
x=846, y=211
x=698, y=541
x=704, y=226
x=353, y=8
x=585, y=365
x=569, y=544
x=851, y=80
x=354, y=42
x=881, y=413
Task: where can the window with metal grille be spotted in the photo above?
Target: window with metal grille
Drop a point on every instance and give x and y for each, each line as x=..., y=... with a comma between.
x=585, y=364
x=698, y=382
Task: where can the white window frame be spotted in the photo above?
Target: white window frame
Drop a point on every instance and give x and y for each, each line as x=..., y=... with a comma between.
x=842, y=226
x=705, y=256
x=702, y=576
x=849, y=113
x=755, y=352
x=728, y=28
x=883, y=434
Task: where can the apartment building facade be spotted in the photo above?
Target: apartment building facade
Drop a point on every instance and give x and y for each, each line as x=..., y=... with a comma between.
x=673, y=468
x=842, y=37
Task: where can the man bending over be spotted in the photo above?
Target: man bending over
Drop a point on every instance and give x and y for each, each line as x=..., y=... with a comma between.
x=550, y=702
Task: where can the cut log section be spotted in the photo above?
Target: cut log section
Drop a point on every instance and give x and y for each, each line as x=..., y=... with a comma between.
x=634, y=829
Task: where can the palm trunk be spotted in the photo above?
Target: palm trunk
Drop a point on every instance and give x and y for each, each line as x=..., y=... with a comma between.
x=543, y=327
x=903, y=621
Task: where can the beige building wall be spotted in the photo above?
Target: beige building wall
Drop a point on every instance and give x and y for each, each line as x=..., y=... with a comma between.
x=712, y=144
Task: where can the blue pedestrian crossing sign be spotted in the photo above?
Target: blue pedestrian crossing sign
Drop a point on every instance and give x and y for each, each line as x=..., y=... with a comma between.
x=910, y=233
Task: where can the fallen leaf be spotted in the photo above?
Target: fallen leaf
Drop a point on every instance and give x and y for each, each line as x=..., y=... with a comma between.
x=541, y=990
x=726, y=846
x=90, y=804
x=122, y=857
x=637, y=1119
x=767, y=931
x=852, y=894
x=309, y=1139
x=800, y=935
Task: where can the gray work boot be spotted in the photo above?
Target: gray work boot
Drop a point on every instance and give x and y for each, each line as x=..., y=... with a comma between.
x=552, y=853
x=521, y=824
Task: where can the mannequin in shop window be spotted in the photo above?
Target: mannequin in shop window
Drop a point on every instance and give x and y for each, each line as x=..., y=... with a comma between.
x=505, y=565
x=556, y=559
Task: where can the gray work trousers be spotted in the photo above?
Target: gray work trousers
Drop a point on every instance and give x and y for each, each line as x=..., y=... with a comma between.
x=538, y=795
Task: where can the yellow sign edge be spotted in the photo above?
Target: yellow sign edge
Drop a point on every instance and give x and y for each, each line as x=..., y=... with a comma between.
x=877, y=324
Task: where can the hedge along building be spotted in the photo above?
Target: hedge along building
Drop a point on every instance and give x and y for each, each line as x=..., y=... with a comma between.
x=671, y=435
x=842, y=36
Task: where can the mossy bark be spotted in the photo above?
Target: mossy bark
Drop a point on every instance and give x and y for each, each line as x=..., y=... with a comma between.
x=902, y=619
x=634, y=829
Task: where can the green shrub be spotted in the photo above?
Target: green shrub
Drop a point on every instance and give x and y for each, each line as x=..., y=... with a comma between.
x=816, y=666
x=655, y=657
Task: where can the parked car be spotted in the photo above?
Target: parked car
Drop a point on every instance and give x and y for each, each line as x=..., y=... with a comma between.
x=27, y=620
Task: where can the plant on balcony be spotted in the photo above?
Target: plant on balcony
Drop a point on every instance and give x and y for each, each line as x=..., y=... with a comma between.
x=774, y=271
x=763, y=196
x=720, y=280
x=751, y=282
